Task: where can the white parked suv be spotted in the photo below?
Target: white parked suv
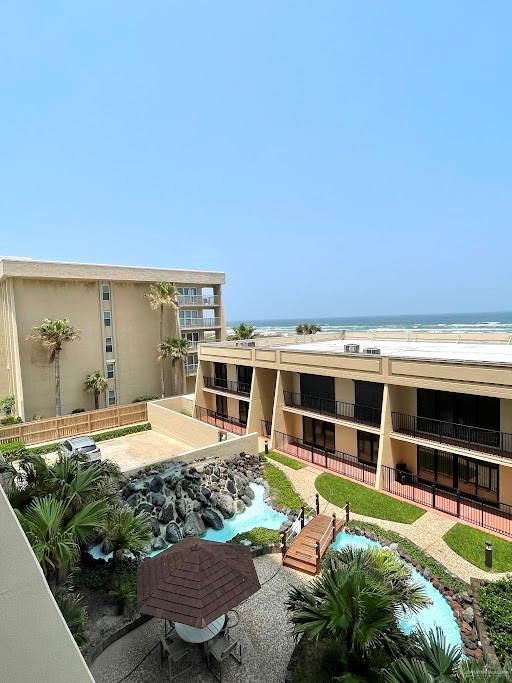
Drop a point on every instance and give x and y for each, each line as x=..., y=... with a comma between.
x=81, y=444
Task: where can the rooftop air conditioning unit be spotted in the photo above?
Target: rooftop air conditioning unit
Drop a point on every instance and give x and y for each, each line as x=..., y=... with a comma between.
x=373, y=350
x=351, y=348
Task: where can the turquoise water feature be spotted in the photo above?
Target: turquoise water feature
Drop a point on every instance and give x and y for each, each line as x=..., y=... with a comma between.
x=438, y=613
x=258, y=514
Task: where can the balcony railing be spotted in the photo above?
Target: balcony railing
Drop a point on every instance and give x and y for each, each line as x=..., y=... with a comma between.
x=199, y=322
x=225, y=422
x=342, y=463
x=266, y=428
x=472, y=438
x=228, y=385
x=199, y=300
x=191, y=368
x=344, y=411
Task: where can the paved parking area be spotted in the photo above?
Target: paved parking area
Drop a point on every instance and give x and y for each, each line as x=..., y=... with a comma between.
x=143, y=448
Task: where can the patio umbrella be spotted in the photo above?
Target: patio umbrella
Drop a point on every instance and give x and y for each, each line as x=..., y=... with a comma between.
x=196, y=581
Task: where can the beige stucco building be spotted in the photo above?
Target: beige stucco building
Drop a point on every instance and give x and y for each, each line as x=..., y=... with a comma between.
x=425, y=417
x=119, y=330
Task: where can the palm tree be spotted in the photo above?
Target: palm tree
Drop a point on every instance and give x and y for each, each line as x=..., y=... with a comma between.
x=74, y=613
x=125, y=531
x=53, y=334
x=163, y=294
x=357, y=600
x=175, y=348
x=308, y=328
x=55, y=540
x=96, y=383
x=243, y=331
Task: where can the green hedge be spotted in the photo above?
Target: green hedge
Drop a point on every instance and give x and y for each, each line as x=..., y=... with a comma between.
x=13, y=450
x=100, y=436
x=415, y=553
x=496, y=604
x=258, y=536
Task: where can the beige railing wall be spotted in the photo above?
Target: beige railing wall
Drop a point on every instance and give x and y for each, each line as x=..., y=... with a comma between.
x=176, y=425
x=56, y=428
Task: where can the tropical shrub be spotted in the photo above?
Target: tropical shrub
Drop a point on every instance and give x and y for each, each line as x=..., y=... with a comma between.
x=145, y=397
x=496, y=604
x=75, y=615
x=258, y=536
x=124, y=531
x=10, y=420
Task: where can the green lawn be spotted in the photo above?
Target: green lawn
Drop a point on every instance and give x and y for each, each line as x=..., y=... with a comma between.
x=365, y=501
x=284, y=460
x=258, y=536
x=282, y=491
x=469, y=543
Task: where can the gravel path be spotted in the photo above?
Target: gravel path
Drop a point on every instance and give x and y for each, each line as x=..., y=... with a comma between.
x=426, y=532
x=263, y=630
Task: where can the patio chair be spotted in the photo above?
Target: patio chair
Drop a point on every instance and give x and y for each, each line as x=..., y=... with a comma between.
x=232, y=619
x=173, y=650
x=219, y=649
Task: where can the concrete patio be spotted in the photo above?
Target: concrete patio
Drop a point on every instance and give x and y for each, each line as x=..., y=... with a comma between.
x=263, y=630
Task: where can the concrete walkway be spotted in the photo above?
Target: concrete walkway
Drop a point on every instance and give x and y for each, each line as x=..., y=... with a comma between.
x=426, y=532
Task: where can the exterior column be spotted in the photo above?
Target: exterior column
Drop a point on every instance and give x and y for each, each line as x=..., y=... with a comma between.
x=385, y=456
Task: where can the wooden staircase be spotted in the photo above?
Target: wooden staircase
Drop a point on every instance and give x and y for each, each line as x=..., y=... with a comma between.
x=310, y=545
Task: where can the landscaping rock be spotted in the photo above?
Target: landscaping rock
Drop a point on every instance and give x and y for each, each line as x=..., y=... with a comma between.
x=231, y=486
x=247, y=500
x=158, y=543
x=173, y=533
x=240, y=506
x=166, y=513
x=143, y=507
x=157, y=499
x=212, y=518
x=206, y=492
x=249, y=492
x=156, y=484
x=194, y=525
x=223, y=502
x=132, y=500
x=468, y=615
x=427, y=573
x=181, y=508
x=155, y=526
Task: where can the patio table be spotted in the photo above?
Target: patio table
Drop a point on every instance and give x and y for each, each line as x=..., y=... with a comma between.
x=200, y=635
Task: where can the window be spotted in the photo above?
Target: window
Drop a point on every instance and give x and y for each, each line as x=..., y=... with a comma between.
x=105, y=292
x=318, y=434
x=221, y=405
x=367, y=447
x=107, y=318
x=188, y=316
x=110, y=370
x=243, y=411
x=111, y=397
x=244, y=376
x=187, y=291
x=109, y=346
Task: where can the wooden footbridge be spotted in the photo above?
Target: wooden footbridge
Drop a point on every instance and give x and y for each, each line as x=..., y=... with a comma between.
x=306, y=549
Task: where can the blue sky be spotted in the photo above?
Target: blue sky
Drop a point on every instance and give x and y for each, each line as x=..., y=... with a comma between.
x=334, y=158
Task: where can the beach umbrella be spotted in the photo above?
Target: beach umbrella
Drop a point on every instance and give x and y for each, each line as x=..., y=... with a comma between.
x=194, y=582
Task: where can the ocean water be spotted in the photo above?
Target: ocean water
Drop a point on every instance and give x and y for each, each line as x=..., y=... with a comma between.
x=454, y=322
x=427, y=619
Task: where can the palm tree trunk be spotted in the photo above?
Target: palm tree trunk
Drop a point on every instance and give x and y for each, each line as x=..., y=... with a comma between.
x=58, y=408
x=162, y=378
x=161, y=323
x=183, y=381
x=96, y=400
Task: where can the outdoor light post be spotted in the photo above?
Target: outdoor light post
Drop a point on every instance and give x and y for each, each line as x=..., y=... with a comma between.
x=266, y=446
x=488, y=554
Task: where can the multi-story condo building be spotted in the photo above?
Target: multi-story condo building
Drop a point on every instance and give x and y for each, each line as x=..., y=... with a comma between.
x=119, y=332
x=424, y=417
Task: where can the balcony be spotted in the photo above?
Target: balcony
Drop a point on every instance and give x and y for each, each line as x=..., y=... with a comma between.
x=227, y=385
x=342, y=463
x=207, y=300
x=350, y=412
x=452, y=434
x=191, y=323
x=225, y=422
x=191, y=368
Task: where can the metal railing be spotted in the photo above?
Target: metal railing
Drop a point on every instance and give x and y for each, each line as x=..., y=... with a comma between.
x=199, y=322
x=225, y=422
x=342, y=463
x=198, y=300
x=191, y=368
x=352, y=412
x=493, y=516
x=231, y=386
x=474, y=438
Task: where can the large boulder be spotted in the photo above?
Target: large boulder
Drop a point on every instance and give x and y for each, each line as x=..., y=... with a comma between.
x=231, y=486
x=155, y=526
x=172, y=479
x=249, y=492
x=247, y=500
x=181, y=508
x=156, y=484
x=143, y=507
x=223, y=502
x=132, y=500
x=173, y=533
x=136, y=486
x=196, y=506
x=206, y=491
x=178, y=491
x=194, y=525
x=212, y=518
x=158, y=543
x=166, y=513
x=240, y=506
x=202, y=499
x=157, y=499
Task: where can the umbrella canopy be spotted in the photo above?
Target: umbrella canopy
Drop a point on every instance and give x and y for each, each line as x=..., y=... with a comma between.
x=196, y=581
